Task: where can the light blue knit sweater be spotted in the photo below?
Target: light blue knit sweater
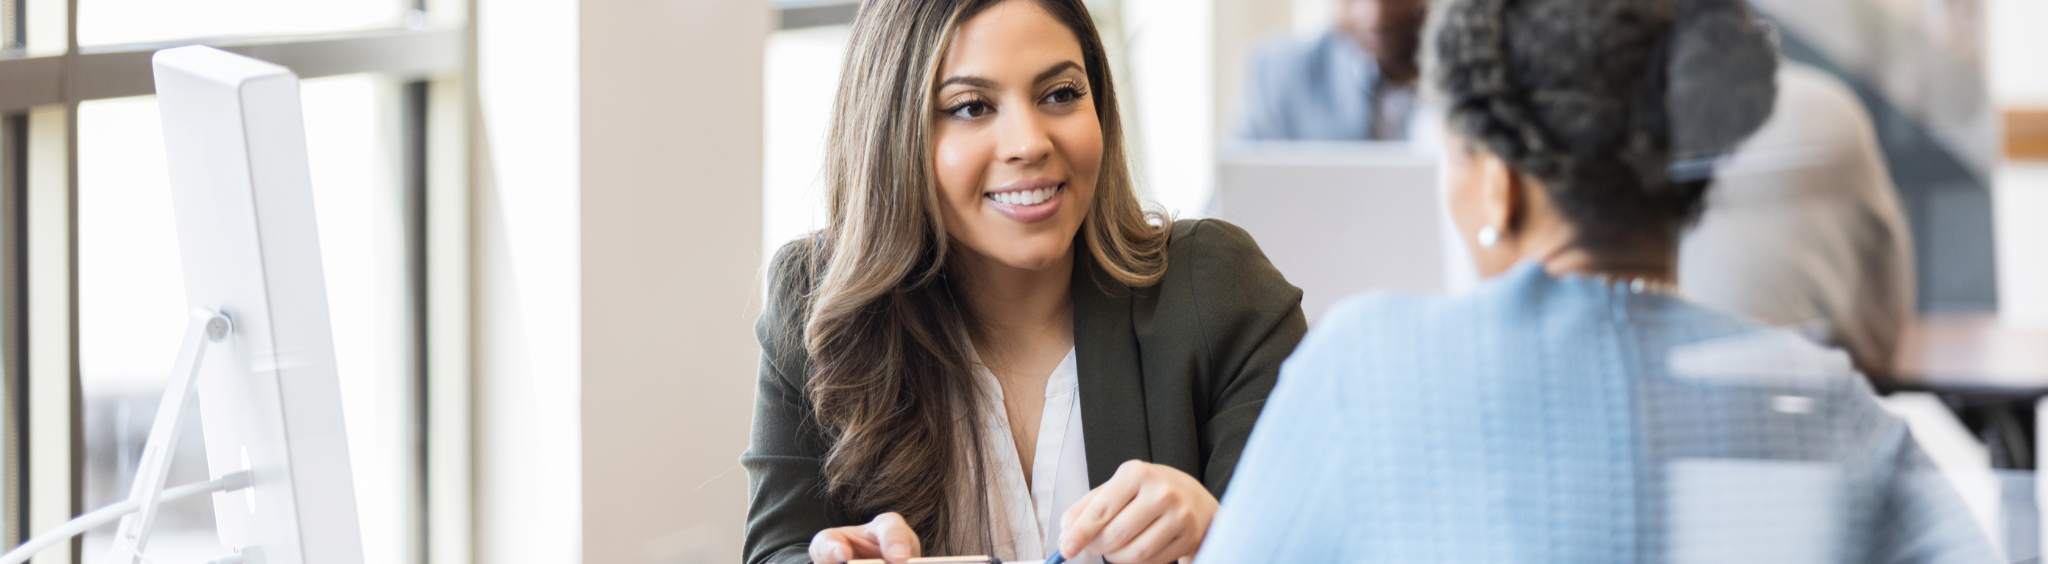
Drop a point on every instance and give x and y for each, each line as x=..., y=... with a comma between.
x=1540, y=419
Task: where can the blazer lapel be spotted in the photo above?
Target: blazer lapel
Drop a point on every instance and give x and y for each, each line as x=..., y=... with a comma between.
x=1112, y=384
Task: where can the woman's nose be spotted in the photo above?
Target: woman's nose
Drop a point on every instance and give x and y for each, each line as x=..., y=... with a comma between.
x=1023, y=138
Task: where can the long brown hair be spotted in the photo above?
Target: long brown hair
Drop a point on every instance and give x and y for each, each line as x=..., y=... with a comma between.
x=891, y=379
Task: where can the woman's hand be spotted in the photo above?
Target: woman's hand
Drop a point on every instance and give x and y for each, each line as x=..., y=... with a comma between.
x=1145, y=514
x=886, y=537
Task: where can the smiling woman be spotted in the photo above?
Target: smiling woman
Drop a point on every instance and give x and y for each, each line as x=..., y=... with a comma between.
x=992, y=347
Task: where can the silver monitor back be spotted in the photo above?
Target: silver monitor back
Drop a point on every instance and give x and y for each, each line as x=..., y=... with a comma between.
x=271, y=402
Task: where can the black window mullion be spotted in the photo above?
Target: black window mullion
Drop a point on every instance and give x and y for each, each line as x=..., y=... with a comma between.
x=14, y=325
x=413, y=111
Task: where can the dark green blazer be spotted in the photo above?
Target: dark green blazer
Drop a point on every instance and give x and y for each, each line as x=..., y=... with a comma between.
x=1172, y=374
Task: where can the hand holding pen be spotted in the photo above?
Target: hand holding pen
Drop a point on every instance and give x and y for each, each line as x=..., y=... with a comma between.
x=1145, y=514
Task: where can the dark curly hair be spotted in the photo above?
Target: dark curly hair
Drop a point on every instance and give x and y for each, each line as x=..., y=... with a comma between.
x=1617, y=106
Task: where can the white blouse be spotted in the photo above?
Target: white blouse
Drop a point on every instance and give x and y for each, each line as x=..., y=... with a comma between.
x=1027, y=519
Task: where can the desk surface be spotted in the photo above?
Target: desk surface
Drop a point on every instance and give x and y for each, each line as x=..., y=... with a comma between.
x=1970, y=351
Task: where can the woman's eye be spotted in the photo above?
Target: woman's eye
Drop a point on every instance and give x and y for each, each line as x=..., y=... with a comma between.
x=1063, y=95
x=970, y=110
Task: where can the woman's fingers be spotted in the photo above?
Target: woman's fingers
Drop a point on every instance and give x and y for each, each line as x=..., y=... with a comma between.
x=1074, y=513
x=1100, y=506
x=834, y=546
x=1137, y=517
x=825, y=550
x=1165, y=541
x=897, y=542
x=886, y=537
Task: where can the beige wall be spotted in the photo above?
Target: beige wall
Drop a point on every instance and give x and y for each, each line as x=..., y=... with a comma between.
x=617, y=250
x=671, y=96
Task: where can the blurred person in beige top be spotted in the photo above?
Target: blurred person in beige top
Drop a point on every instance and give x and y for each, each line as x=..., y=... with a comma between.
x=1804, y=230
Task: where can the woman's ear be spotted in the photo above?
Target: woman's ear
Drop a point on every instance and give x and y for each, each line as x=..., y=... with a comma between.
x=1500, y=194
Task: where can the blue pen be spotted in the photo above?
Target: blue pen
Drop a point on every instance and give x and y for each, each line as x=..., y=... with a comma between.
x=1056, y=558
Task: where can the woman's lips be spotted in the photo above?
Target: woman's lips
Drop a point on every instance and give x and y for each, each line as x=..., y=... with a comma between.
x=1031, y=213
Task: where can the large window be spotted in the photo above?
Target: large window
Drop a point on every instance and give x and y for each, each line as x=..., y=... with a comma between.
x=92, y=305
x=131, y=316
x=803, y=73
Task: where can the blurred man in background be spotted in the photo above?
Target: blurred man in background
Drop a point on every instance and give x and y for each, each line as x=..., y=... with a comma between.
x=1355, y=82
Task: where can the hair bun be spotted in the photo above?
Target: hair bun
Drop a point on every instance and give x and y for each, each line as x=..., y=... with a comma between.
x=1722, y=68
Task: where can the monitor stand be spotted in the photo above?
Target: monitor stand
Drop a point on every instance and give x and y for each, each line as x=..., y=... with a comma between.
x=206, y=327
x=138, y=513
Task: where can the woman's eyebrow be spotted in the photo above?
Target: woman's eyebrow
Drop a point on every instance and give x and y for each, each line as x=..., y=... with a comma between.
x=1056, y=70
x=974, y=81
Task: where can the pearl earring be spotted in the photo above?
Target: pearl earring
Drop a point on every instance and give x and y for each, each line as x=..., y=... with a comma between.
x=1488, y=236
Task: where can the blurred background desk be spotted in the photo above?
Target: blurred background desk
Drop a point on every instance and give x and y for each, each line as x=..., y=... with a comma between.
x=1990, y=373
x=1971, y=352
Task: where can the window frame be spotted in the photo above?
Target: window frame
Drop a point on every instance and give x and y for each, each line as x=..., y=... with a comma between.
x=13, y=340
x=432, y=60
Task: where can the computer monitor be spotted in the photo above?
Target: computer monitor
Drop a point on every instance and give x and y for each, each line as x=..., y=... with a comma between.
x=269, y=396
x=1339, y=218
